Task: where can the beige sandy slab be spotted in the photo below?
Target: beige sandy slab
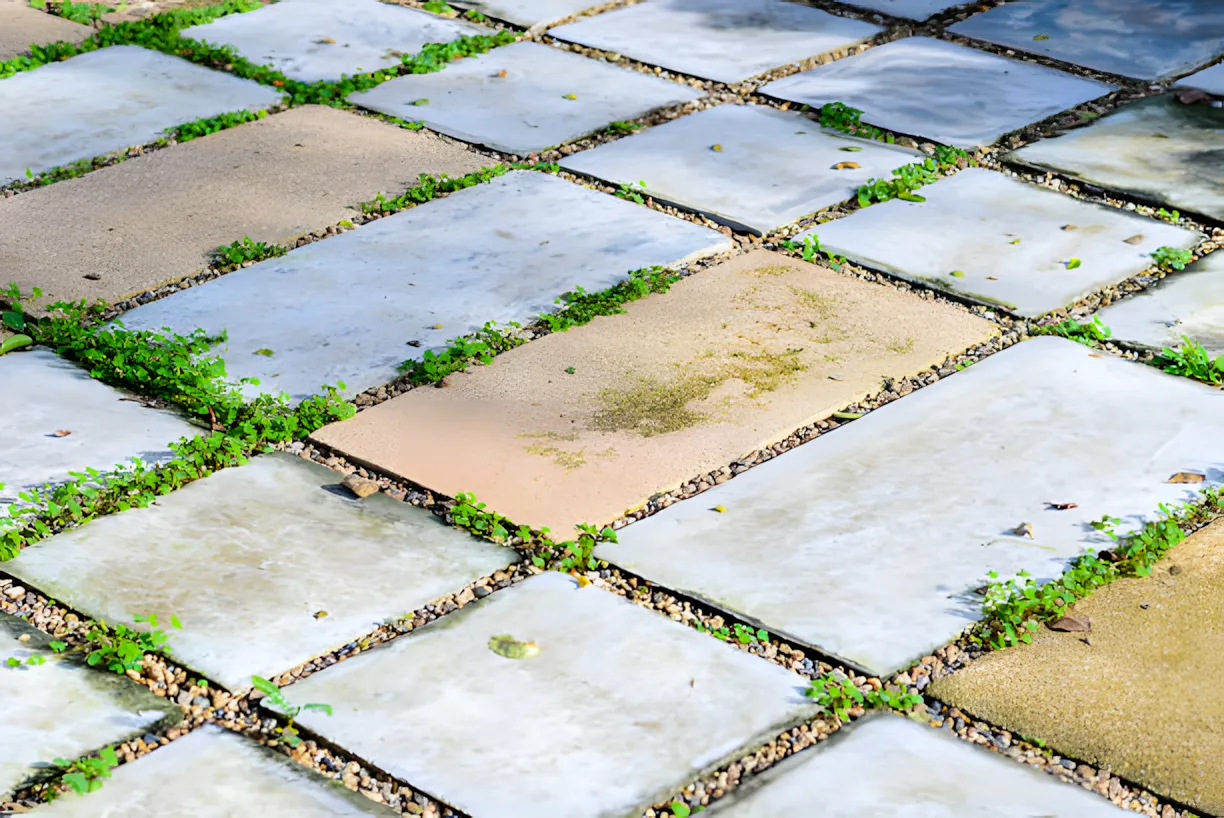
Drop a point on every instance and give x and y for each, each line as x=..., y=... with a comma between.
x=22, y=26
x=582, y=425
x=1140, y=693
x=156, y=218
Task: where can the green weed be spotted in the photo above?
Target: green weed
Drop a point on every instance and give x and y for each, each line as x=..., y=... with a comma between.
x=810, y=249
x=210, y=125
x=908, y=178
x=1089, y=333
x=1171, y=257
x=121, y=648
x=631, y=193
x=571, y=555
x=86, y=773
x=1192, y=361
x=1173, y=217
x=276, y=698
x=618, y=128
x=837, y=695
x=244, y=250
x=31, y=661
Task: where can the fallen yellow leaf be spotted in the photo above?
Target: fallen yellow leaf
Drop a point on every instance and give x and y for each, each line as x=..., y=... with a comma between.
x=846, y=166
x=720, y=509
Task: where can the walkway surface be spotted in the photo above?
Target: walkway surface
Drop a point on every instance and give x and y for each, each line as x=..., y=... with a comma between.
x=828, y=416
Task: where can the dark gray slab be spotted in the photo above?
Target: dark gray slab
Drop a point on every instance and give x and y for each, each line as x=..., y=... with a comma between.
x=1189, y=303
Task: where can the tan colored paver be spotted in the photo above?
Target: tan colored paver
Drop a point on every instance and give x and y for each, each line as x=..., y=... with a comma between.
x=731, y=359
x=22, y=26
x=156, y=218
x=1143, y=697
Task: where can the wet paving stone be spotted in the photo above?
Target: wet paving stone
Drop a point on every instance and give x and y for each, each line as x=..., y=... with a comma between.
x=528, y=13
x=1144, y=39
x=939, y=90
x=1210, y=80
x=61, y=708
x=631, y=705
x=311, y=40
x=22, y=26
x=1002, y=242
x=751, y=167
x=1156, y=149
x=346, y=309
x=909, y=9
x=1189, y=303
x=524, y=97
x=721, y=40
x=868, y=542
x=266, y=565
x=887, y=765
x=106, y=100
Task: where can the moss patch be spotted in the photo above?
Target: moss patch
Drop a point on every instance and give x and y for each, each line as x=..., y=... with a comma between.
x=650, y=407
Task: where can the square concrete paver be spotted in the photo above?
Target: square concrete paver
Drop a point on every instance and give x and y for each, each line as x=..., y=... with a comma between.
x=909, y=9
x=524, y=98
x=721, y=40
x=528, y=13
x=346, y=309
x=1210, y=80
x=1145, y=39
x=939, y=90
x=106, y=100
x=770, y=167
x=1189, y=303
x=365, y=35
x=1155, y=149
x=61, y=708
x=631, y=706
x=22, y=26
x=157, y=218
x=868, y=542
x=248, y=557
x=105, y=427
x=888, y=766
x=217, y=773
x=732, y=359
x=1002, y=242
x=1154, y=640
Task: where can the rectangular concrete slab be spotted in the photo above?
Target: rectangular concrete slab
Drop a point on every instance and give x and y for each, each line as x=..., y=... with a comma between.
x=721, y=40
x=1210, y=80
x=1155, y=149
x=345, y=309
x=939, y=90
x=1189, y=303
x=217, y=773
x=156, y=218
x=1002, y=242
x=909, y=9
x=62, y=708
x=528, y=13
x=266, y=565
x=524, y=98
x=633, y=705
x=868, y=542
x=22, y=26
x=752, y=167
x=109, y=99
x=581, y=425
x=1145, y=39
x=889, y=766
x=311, y=40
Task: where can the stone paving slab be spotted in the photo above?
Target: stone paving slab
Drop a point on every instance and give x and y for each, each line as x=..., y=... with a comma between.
x=730, y=360
x=721, y=40
x=1156, y=149
x=629, y=706
x=22, y=26
x=1154, y=641
x=215, y=772
x=1145, y=39
x=528, y=13
x=1210, y=80
x=772, y=167
x=1189, y=303
x=909, y=9
x=249, y=557
x=61, y=708
x=346, y=308
x=889, y=766
x=868, y=541
x=517, y=99
x=292, y=36
x=1003, y=242
x=939, y=90
x=107, y=100
x=106, y=427
x=157, y=218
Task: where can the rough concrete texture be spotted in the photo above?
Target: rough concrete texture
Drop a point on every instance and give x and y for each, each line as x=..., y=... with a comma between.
x=1156, y=641
x=527, y=13
x=156, y=218
x=22, y=26
x=1189, y=304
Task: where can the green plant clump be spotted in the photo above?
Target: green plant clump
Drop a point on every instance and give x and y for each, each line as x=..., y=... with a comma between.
x=86, y=773
x=571, y=555
x=1089, y=333
x=1192, y=361
x=1172, y=257
x=276, y=698
x=908, y=178
x=838, y=695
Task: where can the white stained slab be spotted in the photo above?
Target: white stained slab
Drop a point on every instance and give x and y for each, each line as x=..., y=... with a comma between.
x=61, y=708
x=1189, y=303
x=106, y=428
x=1210, y=80
x=247, y=557
x=771, y=167
x=106, y=100
x=345, y=309
x=721, y=40
x=292, y=35
x=528, y=13
x=868, y=542
x=214, y=772
x=909, y=9
x=631, y=706
x=517, y=98
x=939, y=90
x=1001, y=241
x=890, y=767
